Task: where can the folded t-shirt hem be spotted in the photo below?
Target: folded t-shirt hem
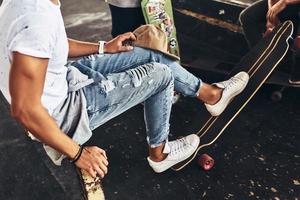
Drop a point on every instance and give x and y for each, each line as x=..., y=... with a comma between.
x=31, y=52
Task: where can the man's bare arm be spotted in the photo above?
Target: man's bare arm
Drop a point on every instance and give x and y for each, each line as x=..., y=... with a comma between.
x=27, y=77
x=26, y=83
x=79, y=48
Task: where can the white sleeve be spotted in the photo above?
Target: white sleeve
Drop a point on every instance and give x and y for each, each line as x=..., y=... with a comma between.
x=33, y=36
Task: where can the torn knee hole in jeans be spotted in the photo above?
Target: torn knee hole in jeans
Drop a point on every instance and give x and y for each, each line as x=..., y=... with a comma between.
x=107, y=85
x=139, y=73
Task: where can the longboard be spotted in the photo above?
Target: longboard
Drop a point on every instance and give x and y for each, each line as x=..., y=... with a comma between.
x=259, y=63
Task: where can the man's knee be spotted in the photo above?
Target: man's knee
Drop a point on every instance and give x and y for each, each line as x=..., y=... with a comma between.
x=163, y=72
x=156, y=73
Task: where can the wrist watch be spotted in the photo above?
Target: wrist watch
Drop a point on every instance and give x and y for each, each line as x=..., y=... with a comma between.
x=101, y=47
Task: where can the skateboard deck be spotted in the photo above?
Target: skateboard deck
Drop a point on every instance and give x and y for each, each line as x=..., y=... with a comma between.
x=160, y=13
x=91, y=187
x=259, y=63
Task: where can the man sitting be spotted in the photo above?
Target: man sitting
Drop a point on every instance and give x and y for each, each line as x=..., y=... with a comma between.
x=57, y=102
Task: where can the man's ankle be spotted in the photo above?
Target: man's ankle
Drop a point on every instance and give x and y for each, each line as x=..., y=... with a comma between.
x=158, y=158
x=156, y=154
x=210, y=94
x=216, y=95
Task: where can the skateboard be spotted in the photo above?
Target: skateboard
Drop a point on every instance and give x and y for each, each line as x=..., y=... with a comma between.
x=160, y=13
x=259, y=63
x=91, y=187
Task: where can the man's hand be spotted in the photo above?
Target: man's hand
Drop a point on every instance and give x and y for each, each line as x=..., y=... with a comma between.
x=94, y=161
x=116, y=45
x=272, y=15
x=269, y=28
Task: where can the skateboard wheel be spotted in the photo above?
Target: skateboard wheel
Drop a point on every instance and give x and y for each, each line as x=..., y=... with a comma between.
x=276, y=96
x=206, y=162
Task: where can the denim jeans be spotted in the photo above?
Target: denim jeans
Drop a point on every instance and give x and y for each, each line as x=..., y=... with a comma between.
x=253, y=20
x=129, y=78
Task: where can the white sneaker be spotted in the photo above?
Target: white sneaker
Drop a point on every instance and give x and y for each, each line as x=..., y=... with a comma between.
x=177, y=150
x=232, y=87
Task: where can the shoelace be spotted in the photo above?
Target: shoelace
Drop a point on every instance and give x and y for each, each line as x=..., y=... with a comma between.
x=232, y=81
x=178, y=146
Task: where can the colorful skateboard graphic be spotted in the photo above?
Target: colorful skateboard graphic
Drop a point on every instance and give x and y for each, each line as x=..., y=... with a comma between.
x=160, y=13
x=91, y=186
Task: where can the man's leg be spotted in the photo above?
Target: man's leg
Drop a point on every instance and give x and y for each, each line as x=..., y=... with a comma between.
x=185, y=82
x=152, y=84
x=253, y=21
x=295, y=66
x=115, y=93
x=292, y=13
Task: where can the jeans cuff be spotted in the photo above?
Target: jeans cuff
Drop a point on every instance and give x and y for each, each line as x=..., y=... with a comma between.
x=199, y=88
x=157, y=144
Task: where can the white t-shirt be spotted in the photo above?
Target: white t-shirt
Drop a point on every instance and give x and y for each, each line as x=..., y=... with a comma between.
x=35, y=28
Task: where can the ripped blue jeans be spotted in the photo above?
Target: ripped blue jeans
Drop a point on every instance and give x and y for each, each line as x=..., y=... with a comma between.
x=129, y=78
x=114, y=93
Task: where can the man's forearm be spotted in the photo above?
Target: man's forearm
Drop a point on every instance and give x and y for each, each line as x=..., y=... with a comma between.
x=79, y=48
x=37, y=120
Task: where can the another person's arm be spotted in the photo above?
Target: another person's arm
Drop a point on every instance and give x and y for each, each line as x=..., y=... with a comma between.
x=277, y=8
x=271, y=3
x=27, y=77
x=79, y=48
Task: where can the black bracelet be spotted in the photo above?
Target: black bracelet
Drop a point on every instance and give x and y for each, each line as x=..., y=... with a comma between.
x=77, y=156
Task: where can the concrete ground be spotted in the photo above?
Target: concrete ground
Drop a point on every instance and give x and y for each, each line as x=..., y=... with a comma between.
x=258, y=156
